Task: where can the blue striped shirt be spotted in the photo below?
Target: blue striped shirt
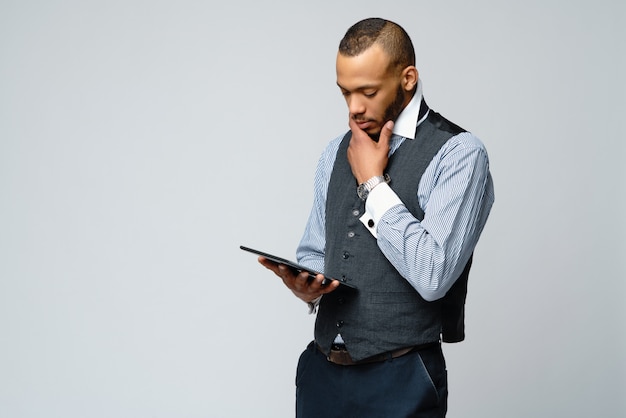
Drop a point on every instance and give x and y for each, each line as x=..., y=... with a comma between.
x=456, y=194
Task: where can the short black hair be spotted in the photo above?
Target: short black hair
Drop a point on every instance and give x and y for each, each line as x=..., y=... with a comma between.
x=389, y=35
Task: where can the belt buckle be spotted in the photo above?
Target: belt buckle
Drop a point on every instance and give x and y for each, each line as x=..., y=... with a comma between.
x=339, y=355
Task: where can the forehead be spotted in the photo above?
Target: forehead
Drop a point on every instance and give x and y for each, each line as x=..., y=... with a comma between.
x=368, y=68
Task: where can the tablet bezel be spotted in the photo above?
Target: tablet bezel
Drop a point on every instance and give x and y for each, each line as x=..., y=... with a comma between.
x=295, y=266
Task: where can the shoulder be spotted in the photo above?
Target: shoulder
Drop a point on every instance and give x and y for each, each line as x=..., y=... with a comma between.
x=330, y=151
x=462, y=156
x=333, y=145
x=326, y=161
x=464, y=143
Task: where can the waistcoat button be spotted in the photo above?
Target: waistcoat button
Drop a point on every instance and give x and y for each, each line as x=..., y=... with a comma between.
x=345, y=255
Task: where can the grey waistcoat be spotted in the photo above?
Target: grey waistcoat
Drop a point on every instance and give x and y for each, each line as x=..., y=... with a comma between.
x=386, y=312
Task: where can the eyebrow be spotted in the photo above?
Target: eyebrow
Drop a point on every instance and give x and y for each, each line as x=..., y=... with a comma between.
x=361, y=88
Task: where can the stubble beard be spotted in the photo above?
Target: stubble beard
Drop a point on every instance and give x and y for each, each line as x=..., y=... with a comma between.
x=392, y=112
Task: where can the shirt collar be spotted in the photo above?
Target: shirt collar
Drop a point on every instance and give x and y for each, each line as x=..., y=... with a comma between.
x=406, y=122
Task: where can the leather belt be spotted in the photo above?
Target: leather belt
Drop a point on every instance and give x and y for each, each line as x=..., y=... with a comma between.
x=339, y=354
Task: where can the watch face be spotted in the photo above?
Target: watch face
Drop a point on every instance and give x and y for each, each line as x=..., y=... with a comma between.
x=362, y=191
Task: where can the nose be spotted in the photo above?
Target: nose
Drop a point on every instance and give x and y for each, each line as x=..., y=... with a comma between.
x=355, y=105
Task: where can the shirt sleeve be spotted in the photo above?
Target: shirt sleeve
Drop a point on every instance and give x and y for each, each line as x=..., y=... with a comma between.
x=310, y=251
x=456, y=193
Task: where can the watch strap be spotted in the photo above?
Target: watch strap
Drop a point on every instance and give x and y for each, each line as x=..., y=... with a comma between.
x=365, y=188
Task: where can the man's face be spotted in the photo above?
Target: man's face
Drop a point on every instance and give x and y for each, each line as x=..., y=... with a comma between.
x=372, y=89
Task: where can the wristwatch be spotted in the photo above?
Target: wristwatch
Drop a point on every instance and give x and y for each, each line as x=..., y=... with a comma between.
x=364, y=189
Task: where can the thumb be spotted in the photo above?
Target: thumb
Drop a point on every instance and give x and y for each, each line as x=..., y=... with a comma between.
x=387, y=131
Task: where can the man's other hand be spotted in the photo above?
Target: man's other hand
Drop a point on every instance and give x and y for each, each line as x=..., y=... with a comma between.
x=300, y=284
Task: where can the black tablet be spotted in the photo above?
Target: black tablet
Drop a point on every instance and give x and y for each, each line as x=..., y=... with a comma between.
x=294, y=266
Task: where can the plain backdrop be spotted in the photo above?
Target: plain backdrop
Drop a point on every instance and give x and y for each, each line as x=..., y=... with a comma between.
x=141, y=142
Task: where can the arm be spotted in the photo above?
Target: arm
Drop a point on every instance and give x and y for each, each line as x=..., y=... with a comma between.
x=458, y=197
x=310, y=252
x=456, y=194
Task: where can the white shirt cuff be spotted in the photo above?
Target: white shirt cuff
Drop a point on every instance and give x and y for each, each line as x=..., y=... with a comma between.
x=314, y=304
x=380, y=200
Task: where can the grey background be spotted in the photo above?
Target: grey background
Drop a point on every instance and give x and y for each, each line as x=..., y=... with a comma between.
x=141, y=142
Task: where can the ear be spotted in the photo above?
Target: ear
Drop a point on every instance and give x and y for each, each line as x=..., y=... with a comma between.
x=410, y=76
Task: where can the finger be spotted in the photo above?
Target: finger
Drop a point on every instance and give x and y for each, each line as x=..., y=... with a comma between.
x=353, y=127
x=386, y=132
x=281, y=270
x=268, y=264
x=334, y=284
x=286, y=273
x=317, y=284
x=352, y=123
x=356, y=131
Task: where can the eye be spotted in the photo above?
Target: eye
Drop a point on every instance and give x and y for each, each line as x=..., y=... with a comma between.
x=369, y=93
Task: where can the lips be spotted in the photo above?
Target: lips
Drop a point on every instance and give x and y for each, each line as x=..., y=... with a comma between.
x=364, y=124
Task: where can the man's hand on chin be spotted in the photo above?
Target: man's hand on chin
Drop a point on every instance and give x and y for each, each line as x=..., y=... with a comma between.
x=367, y=157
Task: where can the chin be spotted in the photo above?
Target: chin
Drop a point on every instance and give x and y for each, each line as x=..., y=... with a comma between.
x=374, y=131
x=375, y=135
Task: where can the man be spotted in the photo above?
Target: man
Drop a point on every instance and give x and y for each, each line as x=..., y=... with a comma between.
x=400, y=202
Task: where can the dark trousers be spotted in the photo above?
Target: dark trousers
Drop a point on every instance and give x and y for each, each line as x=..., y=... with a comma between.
x=414, y=385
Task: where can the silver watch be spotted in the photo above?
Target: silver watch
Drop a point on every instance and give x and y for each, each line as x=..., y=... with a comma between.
x=364, y=189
